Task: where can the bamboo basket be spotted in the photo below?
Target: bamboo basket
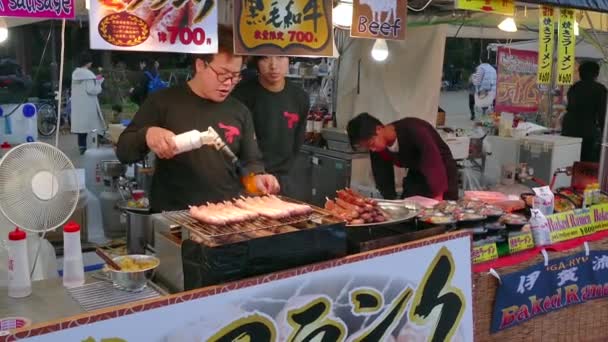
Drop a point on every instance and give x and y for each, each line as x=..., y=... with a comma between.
x=580, y=322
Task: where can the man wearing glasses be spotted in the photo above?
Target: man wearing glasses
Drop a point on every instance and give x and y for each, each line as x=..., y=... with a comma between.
x=279, y=109
x=202, y=175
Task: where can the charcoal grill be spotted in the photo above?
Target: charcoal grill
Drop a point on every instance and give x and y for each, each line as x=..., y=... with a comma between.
x=211, y=254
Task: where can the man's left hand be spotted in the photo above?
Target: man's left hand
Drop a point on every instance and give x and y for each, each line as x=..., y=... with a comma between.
x=267, y=184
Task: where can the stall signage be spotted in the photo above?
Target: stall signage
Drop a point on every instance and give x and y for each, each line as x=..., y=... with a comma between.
x=566, y=47
x=516, y=88
x=541, y=289
x=506, y=7
x=484, y=253
x=546, y=44
x=521, y=242
x=578, y=223
x=416, y=291
x=283, y=27
x=379, y=19
x=184, y=26
x=62, y=9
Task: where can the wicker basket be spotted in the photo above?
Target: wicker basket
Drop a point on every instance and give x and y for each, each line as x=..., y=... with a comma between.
x=581, y=322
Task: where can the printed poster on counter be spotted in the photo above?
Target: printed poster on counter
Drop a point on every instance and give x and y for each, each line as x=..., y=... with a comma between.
x=379, y=19
x=283, y=27
x=516, y=89
x=183, y=26
x=40, y=9
x=381, y=295
x=540, y=289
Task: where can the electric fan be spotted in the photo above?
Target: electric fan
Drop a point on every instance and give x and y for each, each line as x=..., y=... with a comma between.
x=38, y=187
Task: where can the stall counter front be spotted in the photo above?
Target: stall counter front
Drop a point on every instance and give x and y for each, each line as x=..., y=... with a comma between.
x=396, y=293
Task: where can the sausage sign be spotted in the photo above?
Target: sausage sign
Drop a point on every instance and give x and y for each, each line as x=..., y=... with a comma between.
x=185, y=26
x=411, y=292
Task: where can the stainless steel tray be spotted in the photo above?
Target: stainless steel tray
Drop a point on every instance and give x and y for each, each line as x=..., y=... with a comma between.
x=396, y=212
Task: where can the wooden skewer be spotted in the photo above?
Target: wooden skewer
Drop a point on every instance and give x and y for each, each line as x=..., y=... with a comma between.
x=107, y=259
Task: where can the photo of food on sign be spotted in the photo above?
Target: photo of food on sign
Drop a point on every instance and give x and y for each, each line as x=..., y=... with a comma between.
x=283, y=27
x=154, y=25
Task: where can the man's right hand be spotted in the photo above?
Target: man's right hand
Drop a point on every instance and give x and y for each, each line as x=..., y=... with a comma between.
x=160, y=141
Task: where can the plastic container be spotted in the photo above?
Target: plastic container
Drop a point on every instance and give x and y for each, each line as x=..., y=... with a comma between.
x=19, y=281
x=18, y=124
x=73, y=266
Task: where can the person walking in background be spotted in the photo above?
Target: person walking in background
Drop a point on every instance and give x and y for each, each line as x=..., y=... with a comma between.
x=586, y=111
x=139, y=91
x=471, y=88
x=484, y=81
x=86, y=113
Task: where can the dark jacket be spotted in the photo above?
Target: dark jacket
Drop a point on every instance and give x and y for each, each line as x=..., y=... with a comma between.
x=432, y=170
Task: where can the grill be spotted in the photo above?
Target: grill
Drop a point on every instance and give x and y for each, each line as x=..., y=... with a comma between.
x=213, y=236
x=103, y=294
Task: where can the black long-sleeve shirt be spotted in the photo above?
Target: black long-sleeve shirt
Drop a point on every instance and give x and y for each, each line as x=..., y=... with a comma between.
x=432, y=170
x=279, y=119
x=201, y=175
x=586, y=110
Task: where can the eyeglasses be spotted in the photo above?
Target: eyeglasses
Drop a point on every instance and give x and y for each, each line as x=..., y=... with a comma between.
x=222, y=77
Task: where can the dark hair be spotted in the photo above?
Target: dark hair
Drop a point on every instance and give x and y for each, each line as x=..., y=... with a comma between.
x=589, y=71
x=225, y=44
x=361, y=128
x=255, y=60
x=84, y=59
x=484, y=58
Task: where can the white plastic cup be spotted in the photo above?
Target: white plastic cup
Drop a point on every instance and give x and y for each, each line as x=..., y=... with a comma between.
x=19, y=281
x=73, y=266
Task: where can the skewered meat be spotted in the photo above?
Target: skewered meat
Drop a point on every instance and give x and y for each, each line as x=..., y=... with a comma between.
x=355, y=208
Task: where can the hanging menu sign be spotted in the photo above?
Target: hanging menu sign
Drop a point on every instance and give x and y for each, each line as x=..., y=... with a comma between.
x=379, y=19
x=62, y=9
x=546, y=44
x=566, y=47
x=283, y=27
x=505, y=7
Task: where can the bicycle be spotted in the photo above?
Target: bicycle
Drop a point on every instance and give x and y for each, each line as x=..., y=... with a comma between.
x=47, y=114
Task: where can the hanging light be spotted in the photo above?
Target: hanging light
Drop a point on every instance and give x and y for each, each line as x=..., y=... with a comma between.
x=380, y=50
x=3, y=31
x=576, y=28
x=508, y=25
x=342, y=14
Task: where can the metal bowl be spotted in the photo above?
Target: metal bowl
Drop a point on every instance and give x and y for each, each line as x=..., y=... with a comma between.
x=133, y=280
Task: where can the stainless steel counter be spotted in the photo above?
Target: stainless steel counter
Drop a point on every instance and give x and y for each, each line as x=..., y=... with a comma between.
x=49, y=301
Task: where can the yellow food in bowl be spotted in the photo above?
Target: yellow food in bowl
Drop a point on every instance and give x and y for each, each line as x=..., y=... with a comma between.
x=129, y=264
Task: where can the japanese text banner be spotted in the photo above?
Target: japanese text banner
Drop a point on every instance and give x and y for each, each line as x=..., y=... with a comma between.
x=546, y=44
x=506, y=7
x=283, y=27
x=541, y=289
x=566, y=47
x=184, y=26
x=43, y=9
x=516, y=89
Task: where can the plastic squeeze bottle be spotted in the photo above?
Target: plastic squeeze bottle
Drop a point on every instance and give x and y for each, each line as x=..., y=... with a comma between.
x=73, y=266
x=19, y=281
x=250, y=186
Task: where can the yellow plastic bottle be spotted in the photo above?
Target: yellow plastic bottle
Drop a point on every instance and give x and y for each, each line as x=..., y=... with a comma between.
x=588, y=196
x=597, y=193
x=249, y=184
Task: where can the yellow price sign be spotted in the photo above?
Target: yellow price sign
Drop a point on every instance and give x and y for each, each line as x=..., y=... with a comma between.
x=566, y=47
x=546, y=44
x=284, y=27
x=484, y=253
x=600, y=217
x=521, y=242
x=506, y=7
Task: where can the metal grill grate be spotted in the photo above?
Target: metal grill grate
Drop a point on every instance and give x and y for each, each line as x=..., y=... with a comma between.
x=103, y=294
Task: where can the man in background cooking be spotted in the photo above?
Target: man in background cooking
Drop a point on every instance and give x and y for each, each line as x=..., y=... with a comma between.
x=279, y=109
x=205, y=174
x=410, y=143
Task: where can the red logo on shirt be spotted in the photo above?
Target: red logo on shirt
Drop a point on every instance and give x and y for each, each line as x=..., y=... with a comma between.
x=230, y=132
x=292, y=119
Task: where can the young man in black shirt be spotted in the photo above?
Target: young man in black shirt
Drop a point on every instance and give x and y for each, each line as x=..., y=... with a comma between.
x=279, y=109
x=204, y=174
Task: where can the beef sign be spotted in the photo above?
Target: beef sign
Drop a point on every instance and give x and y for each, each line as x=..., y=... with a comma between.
x=383, y=19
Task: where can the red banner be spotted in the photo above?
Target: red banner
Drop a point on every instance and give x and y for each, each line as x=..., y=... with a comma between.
x=516, y=88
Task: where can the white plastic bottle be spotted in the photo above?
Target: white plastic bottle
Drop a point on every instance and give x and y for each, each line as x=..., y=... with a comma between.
x=188, y=141
x=19, y=281
x=73, y=266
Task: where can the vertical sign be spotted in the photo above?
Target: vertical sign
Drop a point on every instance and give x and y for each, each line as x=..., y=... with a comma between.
x=283, y=27
x=379, y=19
x=566, y=46
x=184, y=26
x=546, y=43
x=506, y=7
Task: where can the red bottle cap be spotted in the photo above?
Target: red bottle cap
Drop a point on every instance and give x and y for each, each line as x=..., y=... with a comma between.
x=71, y=227
x=5, y=145
x=16, y=235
